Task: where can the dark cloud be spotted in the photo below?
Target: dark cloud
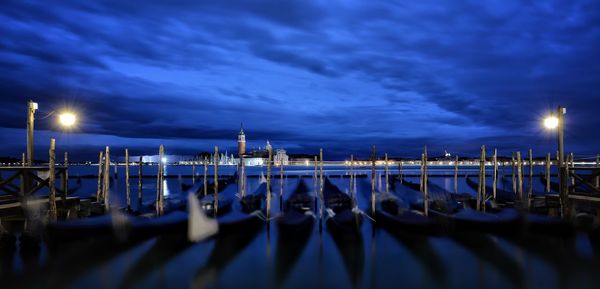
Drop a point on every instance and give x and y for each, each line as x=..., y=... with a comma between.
x=306, y=74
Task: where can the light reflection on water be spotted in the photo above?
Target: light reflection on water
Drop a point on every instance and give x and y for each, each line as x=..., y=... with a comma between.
x=257, y=259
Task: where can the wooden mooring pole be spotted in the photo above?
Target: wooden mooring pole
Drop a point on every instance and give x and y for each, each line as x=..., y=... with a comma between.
x=425, y=180
x=65, y=181
x=373, y=171
x=520, y=175
x=106, y=185
x=352, y=176
x=495, y=177
x=548, y=166
x=530, y=192
x=269, y=163
x=597, y=166
x=216, y=175
x=281, y=184
x=140, y=174
x=456, y=174
x=205, y=187
x=243, y=176
x=193, y=170
x=127, y=185
x=572, y=172
x=316, y=184
x=321, y=185
x=514, y=170
x=99, y=191
x=160, y=209
x=481, y=195
x=400, y=171
x=387, y=183
x=52, y=181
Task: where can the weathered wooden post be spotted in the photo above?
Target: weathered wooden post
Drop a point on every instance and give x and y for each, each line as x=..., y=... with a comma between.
x=352, y=176
x=514, y=170
x=530, y=192
x=65, y=181
x=495, y=177
x=400, y=170
x=205, y=175
x=280, y=185
x=127, y=186
x=597, y=166
x=269, y=161
x=243, y=177
x=106, y=185
x=116, y=166
x=520, y=175
x=140, y=175
x=160, y=185
x=481, y=196
x=321, y=185
x=548, y=166
x=316, y=185
x=572, y=171
x=193, y=170
x=216, y=185
x=425, y=180
x=421, y=173
x=373, y=159
x=456, y=174
x=100, y=165
x=52, y=181
x=387, y=186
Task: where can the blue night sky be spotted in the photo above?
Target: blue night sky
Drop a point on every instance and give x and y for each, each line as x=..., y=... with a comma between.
x=341, y=75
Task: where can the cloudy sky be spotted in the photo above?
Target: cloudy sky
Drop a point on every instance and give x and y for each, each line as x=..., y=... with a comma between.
x=341, y=75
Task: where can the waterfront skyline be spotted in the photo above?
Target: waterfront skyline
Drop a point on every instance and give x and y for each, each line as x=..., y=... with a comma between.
x=340, y=75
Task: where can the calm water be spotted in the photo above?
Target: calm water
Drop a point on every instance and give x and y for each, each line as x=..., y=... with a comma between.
x=264, y=260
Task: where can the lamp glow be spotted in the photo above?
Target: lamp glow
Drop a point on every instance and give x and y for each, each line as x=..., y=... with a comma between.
x=67, y=119
x=551, y=122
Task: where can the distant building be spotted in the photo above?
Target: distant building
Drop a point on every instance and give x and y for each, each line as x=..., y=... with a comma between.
x=241, y=142
x=256, y=157
x=281, y=157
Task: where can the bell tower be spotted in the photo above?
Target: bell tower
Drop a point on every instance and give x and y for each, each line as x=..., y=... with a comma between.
x=241, y=141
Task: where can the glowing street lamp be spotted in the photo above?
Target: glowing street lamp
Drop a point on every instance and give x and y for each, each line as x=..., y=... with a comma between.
x=558, y=122
x=67, y=119
x=551, y=122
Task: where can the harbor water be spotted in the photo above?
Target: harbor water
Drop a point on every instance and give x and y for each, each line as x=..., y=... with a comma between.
x=266, y=259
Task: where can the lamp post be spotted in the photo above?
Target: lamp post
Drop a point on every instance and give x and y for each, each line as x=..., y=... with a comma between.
x=65, y=119
x=31, y=108
x=558, y=122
